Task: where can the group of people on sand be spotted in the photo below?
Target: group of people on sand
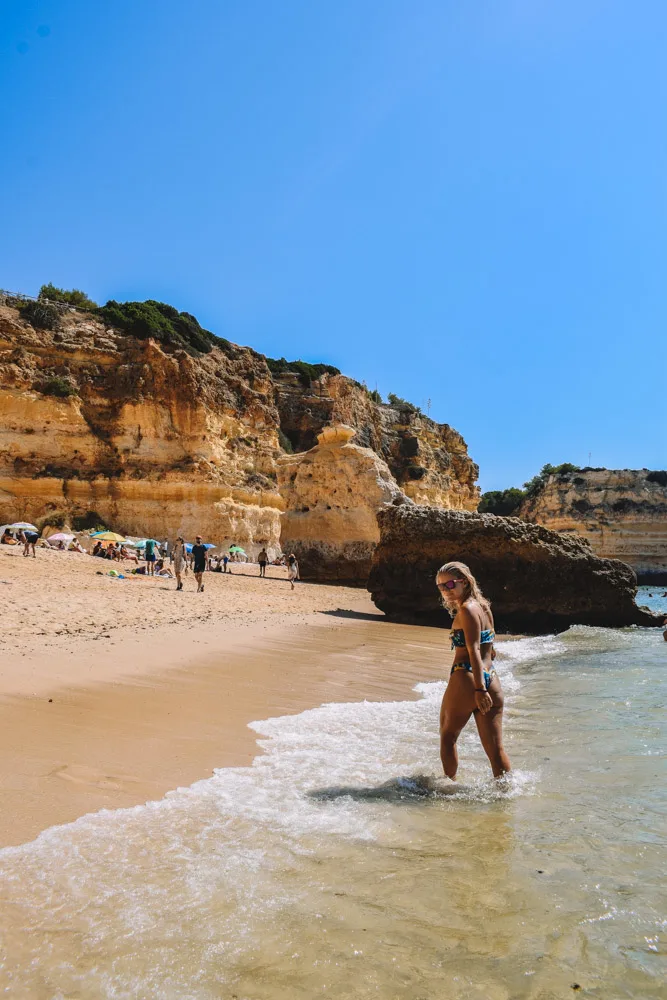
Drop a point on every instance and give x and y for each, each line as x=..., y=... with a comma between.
x=290, y=561
x=200, y=562
x=114, y=552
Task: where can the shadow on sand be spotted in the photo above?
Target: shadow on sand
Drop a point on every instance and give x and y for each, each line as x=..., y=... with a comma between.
x=363, y=616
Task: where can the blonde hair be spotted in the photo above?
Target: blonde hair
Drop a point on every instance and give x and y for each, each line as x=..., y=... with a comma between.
x=472, y=589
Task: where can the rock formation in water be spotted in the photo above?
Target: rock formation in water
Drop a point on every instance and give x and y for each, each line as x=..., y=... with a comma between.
x=154, y=440
x=537, y=580
x=332, y=494
x=622, y=513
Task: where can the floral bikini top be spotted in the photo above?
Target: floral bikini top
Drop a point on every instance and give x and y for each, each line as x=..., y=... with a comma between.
x=459, y=639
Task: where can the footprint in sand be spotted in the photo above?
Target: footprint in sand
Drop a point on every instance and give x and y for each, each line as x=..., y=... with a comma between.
x=79, y=774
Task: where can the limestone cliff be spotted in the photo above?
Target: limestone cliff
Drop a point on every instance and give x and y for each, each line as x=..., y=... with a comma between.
x=155, y=440
x=622, y=513
x=429, y=461
x=332, y=493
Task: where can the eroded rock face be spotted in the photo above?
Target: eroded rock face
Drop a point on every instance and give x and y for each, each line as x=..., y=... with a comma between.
x=537, y=580
x=156, y=441
x=429, y=461
x=622, y=513
x=332, y=493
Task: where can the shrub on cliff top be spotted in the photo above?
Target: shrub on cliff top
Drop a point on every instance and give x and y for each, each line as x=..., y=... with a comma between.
x=402, y=404
x=163, y=323
x=501, y=502
x=41, y=315
x=535, y=485
x=73, y=296
x=506, y=502
x=307, y=373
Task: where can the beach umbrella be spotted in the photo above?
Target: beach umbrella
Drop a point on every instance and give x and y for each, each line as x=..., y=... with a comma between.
x=207, y=545
x=107, y=536
x=141, y=544
x=60, y=536
x=22, y=526
x=237, y=548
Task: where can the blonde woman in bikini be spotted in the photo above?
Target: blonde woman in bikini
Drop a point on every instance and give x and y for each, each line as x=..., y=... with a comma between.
x=474, y=686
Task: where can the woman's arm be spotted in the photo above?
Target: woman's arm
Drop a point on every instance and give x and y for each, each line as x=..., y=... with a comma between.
x=472, y=632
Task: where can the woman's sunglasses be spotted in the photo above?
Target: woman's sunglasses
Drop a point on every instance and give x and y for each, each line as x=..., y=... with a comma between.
x=448, y=584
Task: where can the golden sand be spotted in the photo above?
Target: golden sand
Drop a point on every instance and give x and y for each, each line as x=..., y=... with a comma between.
x=114, y=691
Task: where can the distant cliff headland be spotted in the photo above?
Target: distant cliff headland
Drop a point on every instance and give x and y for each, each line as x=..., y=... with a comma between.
x=133, y=415
x=622, y=512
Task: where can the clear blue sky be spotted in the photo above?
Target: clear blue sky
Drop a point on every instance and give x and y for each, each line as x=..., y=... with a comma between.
x=457, y=201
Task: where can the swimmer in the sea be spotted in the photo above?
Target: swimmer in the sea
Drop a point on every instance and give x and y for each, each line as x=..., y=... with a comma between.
x=473, y=687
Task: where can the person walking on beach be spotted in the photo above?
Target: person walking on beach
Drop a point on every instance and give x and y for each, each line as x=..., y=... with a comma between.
x=178, y=561
x=292, y=569
x=225, y=562
x=473, y=687
x=262, y=559
x=199, y=562
x=30, y=538
x=150, y=557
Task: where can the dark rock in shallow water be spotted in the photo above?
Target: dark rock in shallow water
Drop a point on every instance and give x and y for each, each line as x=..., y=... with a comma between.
x=538, y=580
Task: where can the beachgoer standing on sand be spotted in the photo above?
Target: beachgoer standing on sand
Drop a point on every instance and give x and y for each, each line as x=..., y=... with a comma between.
x=473, y=687
x=225, y=560
x=262, y=559
x=664, y=634
x=150, y=557
x=199, y=562
x=178, y=554
x=31, y=538
x=292, y=569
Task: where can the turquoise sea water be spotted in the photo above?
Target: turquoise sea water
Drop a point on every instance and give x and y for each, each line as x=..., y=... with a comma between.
x=333, y=867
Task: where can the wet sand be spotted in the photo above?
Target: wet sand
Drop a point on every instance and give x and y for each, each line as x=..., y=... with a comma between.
x=113, y=692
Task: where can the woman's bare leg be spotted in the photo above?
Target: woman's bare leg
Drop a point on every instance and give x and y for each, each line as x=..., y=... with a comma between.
x=452, y=721
x=490, y=729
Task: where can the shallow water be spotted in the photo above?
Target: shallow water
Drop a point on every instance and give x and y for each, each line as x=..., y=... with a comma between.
x=339, y=865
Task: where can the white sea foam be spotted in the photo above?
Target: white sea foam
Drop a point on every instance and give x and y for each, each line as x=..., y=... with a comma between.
x=176, y=898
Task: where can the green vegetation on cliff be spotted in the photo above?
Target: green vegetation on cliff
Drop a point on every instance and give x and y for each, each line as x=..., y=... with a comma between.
x=506, y=502
x=59, y=387
x=73, y=297
x=41, y=315
x=307, y=373
x=402, y=404
x=501, y=502
x=535, y=485
x=161, y=322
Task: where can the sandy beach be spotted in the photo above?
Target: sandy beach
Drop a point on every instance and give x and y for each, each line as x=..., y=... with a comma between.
x=113, y=692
